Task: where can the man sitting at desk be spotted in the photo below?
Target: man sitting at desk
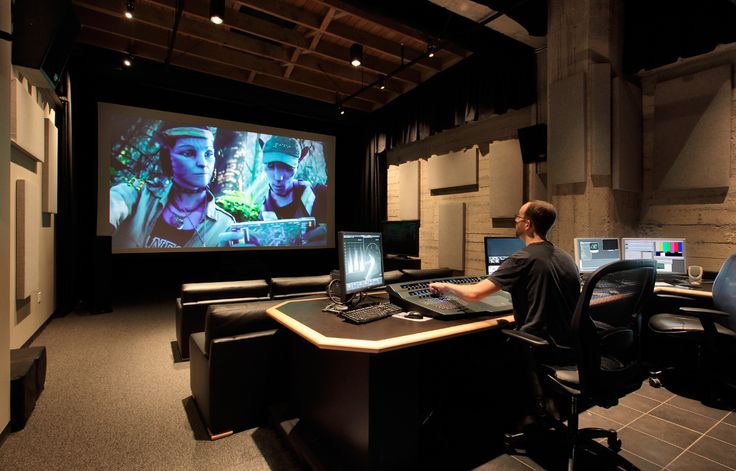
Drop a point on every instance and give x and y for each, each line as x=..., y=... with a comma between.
x=543, y=281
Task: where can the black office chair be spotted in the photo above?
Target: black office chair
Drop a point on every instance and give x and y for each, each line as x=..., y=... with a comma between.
x=711, y=331
x=605, y=331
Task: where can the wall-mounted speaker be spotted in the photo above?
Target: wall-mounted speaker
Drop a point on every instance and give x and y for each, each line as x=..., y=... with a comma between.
x=44, y=32
x=533, y=143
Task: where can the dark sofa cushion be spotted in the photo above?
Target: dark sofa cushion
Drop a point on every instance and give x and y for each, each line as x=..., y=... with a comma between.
x=427, y=273
x=193, y=292
x=290, y=285
x=393, y=276
x=227, y=320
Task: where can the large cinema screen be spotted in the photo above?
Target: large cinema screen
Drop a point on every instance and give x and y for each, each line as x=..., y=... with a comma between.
x=172, y=182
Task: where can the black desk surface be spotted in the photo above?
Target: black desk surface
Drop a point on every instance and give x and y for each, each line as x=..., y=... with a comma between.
x=329, y=331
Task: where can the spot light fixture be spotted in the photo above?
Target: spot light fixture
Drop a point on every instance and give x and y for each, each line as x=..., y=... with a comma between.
x=382, y=82
x=129, y=9
x=217, y=11
x=356, y=54
x=128, y=60
x=431, y=48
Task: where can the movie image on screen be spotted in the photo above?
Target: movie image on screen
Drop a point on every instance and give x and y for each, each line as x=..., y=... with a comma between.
x=185, y=182
x=592, y=253
x=401, y=237
x=361, y=260
x=668, y=253
x=499, y=249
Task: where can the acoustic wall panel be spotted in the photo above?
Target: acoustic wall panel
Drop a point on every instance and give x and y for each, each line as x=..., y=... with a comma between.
x=27, y=226
x=453, y=170
x=692, y=131
x=627, y=136
x=566, y=143
x=451, y=239
x=409, y=190
x=600, y=123
x=49, y=170
x=506, y=178
x=26, y=119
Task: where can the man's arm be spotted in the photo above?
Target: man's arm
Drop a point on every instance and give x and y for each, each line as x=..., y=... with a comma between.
x=474, y=292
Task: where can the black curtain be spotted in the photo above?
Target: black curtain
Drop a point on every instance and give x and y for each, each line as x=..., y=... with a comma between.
x=373, y=189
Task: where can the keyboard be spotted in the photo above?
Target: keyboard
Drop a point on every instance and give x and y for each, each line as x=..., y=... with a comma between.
x=374, y=312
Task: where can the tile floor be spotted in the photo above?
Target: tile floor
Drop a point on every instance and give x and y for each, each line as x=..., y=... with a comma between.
x=659, y=430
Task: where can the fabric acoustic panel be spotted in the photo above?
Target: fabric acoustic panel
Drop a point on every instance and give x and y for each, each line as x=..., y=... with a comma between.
x=409, y=190
x=49, y=171
x=692, y=131
x=453, y=170
x=566, y=159
x=26, y=119
x=600, y=125
x=506, y=178
x=27, y=226
x=451, y=240
x=627, y=136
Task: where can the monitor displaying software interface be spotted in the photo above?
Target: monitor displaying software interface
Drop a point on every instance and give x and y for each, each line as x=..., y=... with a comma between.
x=669, y=253
x=360, y=256
x=499, y=249
x=592, y=253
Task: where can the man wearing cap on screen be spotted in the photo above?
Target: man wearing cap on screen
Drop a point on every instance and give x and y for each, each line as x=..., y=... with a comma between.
x=287, y=197
x=181, y=211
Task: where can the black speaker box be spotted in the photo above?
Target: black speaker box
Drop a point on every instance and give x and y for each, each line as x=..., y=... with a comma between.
x=44, y=32
x=533, y=143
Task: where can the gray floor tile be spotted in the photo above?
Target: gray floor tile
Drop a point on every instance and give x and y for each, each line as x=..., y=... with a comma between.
x=689, y=462
x=529, y=462
x=648, y=447
x=666, y=431
x=698, y=407
x=716, y=450
x=658, y=394
x=725, y=432
x=639, y=402
x=639, y=462
x=589, y=419
x=731, y=419
x=620, y=413
x=504, y=463
x=684, y=418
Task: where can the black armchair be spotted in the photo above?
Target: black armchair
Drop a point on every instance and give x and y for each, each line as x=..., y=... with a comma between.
x=606, y=351
x=711, y=331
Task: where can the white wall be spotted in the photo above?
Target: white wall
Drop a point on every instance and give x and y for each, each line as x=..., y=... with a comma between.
x=5, y=216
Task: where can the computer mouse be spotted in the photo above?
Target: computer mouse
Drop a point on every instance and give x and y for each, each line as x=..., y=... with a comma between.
x=414, y=315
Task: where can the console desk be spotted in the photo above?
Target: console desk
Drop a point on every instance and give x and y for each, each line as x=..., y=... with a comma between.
x=389, y=394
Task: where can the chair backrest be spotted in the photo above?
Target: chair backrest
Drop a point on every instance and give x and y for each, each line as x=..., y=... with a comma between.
x=724, y=291
x=606, y=328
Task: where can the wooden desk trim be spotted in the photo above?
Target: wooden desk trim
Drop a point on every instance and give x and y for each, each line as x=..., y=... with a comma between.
x=380, y=346
x=683, y=291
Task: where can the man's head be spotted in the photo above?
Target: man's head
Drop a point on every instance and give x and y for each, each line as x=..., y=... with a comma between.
x=535, y=217
x=187, y=154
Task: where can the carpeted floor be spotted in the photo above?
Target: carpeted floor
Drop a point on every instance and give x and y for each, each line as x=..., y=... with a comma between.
x=115, y=399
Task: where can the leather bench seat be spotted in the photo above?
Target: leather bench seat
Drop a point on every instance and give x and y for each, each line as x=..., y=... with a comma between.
x=289, y=286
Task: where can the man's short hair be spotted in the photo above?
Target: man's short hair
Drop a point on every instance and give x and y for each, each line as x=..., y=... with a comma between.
x=542, y=215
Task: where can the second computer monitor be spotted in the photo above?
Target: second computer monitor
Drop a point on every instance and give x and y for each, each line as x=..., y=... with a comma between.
x=669, y=253
x=360, y=255
x=499, y=249
x=592, y=253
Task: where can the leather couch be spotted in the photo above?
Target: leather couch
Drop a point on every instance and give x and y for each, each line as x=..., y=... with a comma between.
x=234, y=366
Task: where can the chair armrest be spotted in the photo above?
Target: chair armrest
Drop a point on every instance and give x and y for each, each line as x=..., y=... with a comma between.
x=704, y=313
x=527, y=338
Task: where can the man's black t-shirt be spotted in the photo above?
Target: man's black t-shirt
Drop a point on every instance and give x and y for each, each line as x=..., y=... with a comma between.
x=544, y=284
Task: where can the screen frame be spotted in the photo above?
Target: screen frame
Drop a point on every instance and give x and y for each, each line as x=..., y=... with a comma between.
x=341, y=260
x=576, y=243
x=663, y=239
x=105, y=109
x=485, y=248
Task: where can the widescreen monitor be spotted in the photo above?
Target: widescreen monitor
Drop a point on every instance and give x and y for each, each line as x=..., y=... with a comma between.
x=401, y=237
x=592, y=253
x=171, y=182
x=669, y=253
x=499, y=249
x=361, y=261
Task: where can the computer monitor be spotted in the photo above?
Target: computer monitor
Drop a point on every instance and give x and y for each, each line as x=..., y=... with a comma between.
x=401, y=237
x=360, y=255
x=499, y=249
x=669, y=253
x=592, y=253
